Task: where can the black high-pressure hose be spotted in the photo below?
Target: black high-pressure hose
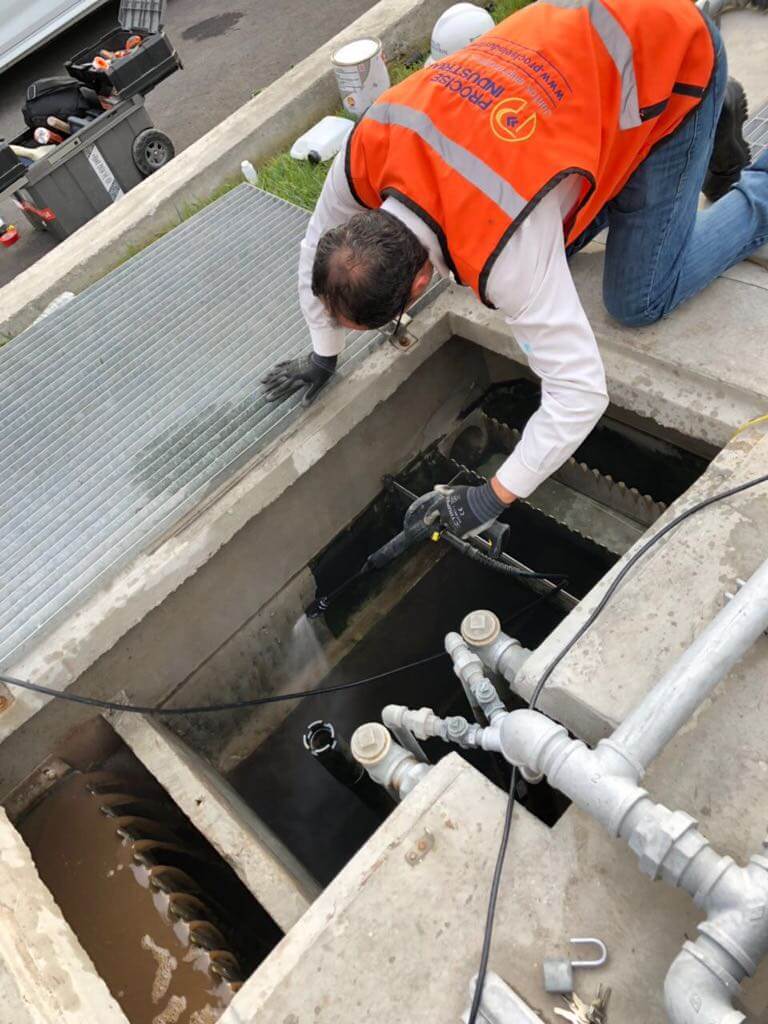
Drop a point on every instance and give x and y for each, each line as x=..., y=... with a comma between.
x=501, y=562
x=414, y=531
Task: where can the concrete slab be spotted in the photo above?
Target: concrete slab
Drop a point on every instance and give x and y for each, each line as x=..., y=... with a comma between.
x=263, y=864
x=391, y=941
x=45, y=974
x=702, y=371
x=716, y=767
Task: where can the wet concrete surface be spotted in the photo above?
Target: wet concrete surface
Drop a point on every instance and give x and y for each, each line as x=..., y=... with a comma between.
x=169, y=932
x=230, y=50
x=321, y=821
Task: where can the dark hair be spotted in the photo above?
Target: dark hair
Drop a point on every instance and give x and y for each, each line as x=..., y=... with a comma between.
x=364, y=269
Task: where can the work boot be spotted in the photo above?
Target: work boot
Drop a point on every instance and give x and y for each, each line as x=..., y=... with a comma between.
x=730, y=153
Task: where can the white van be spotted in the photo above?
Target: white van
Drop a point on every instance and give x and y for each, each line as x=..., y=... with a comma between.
x=27, y=24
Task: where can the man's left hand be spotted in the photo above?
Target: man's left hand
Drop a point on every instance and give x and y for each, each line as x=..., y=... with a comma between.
x=310, y=373
x=463, y=510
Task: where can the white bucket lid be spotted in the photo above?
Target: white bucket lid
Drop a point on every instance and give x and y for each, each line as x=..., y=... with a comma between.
x=357, y=51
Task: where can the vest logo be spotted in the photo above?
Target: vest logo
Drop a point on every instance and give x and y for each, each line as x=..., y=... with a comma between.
x=511, y=122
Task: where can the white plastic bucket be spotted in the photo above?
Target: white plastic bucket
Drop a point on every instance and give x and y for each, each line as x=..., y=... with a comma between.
x=361, y=73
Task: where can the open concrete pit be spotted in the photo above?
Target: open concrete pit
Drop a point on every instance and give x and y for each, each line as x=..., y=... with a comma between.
x=171, y=536
x=179, y=853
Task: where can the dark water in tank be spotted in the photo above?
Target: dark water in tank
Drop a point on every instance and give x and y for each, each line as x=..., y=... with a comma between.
x=321, y=821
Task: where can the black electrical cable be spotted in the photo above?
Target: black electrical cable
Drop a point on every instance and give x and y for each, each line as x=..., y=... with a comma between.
x=492, y=900
x=108, y=705
x=237, y=705
x=532, y=604
x=543, y=680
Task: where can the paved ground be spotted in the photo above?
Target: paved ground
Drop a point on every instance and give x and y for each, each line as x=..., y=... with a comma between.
x=230, y=49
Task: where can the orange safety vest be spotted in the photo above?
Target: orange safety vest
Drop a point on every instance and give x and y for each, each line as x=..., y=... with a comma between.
x=562, y=87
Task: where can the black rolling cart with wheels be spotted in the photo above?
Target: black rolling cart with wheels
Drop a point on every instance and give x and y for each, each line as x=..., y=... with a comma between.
x=113, y=152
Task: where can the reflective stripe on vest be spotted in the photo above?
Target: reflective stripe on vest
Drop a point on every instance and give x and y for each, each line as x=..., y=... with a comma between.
x=470, y=167
x=619, y=46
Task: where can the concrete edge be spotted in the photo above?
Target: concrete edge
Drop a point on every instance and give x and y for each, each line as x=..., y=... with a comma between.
x=68, y=650
x=343, y=890
x=45, y=974
x=269, y=122
x=264, y=865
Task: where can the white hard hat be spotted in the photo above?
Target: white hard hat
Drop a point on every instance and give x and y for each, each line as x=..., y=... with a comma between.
x=456, y=28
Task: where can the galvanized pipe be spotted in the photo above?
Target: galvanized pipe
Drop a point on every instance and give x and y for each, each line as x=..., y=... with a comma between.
x=659, y=717
x=385, y=761
x=604, y=782
x=733, y=938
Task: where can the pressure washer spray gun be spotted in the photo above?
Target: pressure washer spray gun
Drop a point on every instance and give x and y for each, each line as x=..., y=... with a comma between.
x=419, y=526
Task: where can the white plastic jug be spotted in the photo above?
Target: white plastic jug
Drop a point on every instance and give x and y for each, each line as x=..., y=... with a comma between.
x=322, y=141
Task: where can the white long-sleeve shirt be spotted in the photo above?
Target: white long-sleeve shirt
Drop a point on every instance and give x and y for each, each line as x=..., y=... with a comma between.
x=532, y=285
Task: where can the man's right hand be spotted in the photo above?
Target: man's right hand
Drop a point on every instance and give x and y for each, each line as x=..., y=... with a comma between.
x=311, y=372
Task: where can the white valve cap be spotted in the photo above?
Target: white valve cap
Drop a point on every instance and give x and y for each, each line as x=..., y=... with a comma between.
x=370, y=743
x=480, y=628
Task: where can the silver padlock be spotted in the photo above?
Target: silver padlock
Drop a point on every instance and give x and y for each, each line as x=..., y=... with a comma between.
x=558, y=971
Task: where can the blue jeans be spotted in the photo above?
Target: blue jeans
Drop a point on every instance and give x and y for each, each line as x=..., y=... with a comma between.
x=660, y=249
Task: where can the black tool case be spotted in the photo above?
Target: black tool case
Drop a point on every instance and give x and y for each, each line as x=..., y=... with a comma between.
x=83, y=175
x=144, y=67
x=11, y=168
x=115, y=148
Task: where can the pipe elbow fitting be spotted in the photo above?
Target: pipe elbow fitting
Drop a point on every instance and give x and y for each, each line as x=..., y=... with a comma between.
x=385, y=761
x=526, y=737
x=406, y=776
x=737, y=922
x=697, y=991
x=392, y=715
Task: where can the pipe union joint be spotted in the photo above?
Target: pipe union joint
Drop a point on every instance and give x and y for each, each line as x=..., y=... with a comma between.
x=654, y=839
x=457, y=728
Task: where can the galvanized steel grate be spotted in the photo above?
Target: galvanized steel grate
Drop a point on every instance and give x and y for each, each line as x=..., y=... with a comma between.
x=756, y=131
x=124, y=410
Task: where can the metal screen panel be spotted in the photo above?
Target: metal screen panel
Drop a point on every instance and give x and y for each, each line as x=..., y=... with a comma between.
x=122, y=411
x=756, y=131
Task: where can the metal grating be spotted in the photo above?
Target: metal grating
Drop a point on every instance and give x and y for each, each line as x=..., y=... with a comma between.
x=122, y=411
x=756, y=132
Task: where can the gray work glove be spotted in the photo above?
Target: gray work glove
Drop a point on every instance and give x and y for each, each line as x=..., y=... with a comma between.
x=311, y=372
x=464, y=511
